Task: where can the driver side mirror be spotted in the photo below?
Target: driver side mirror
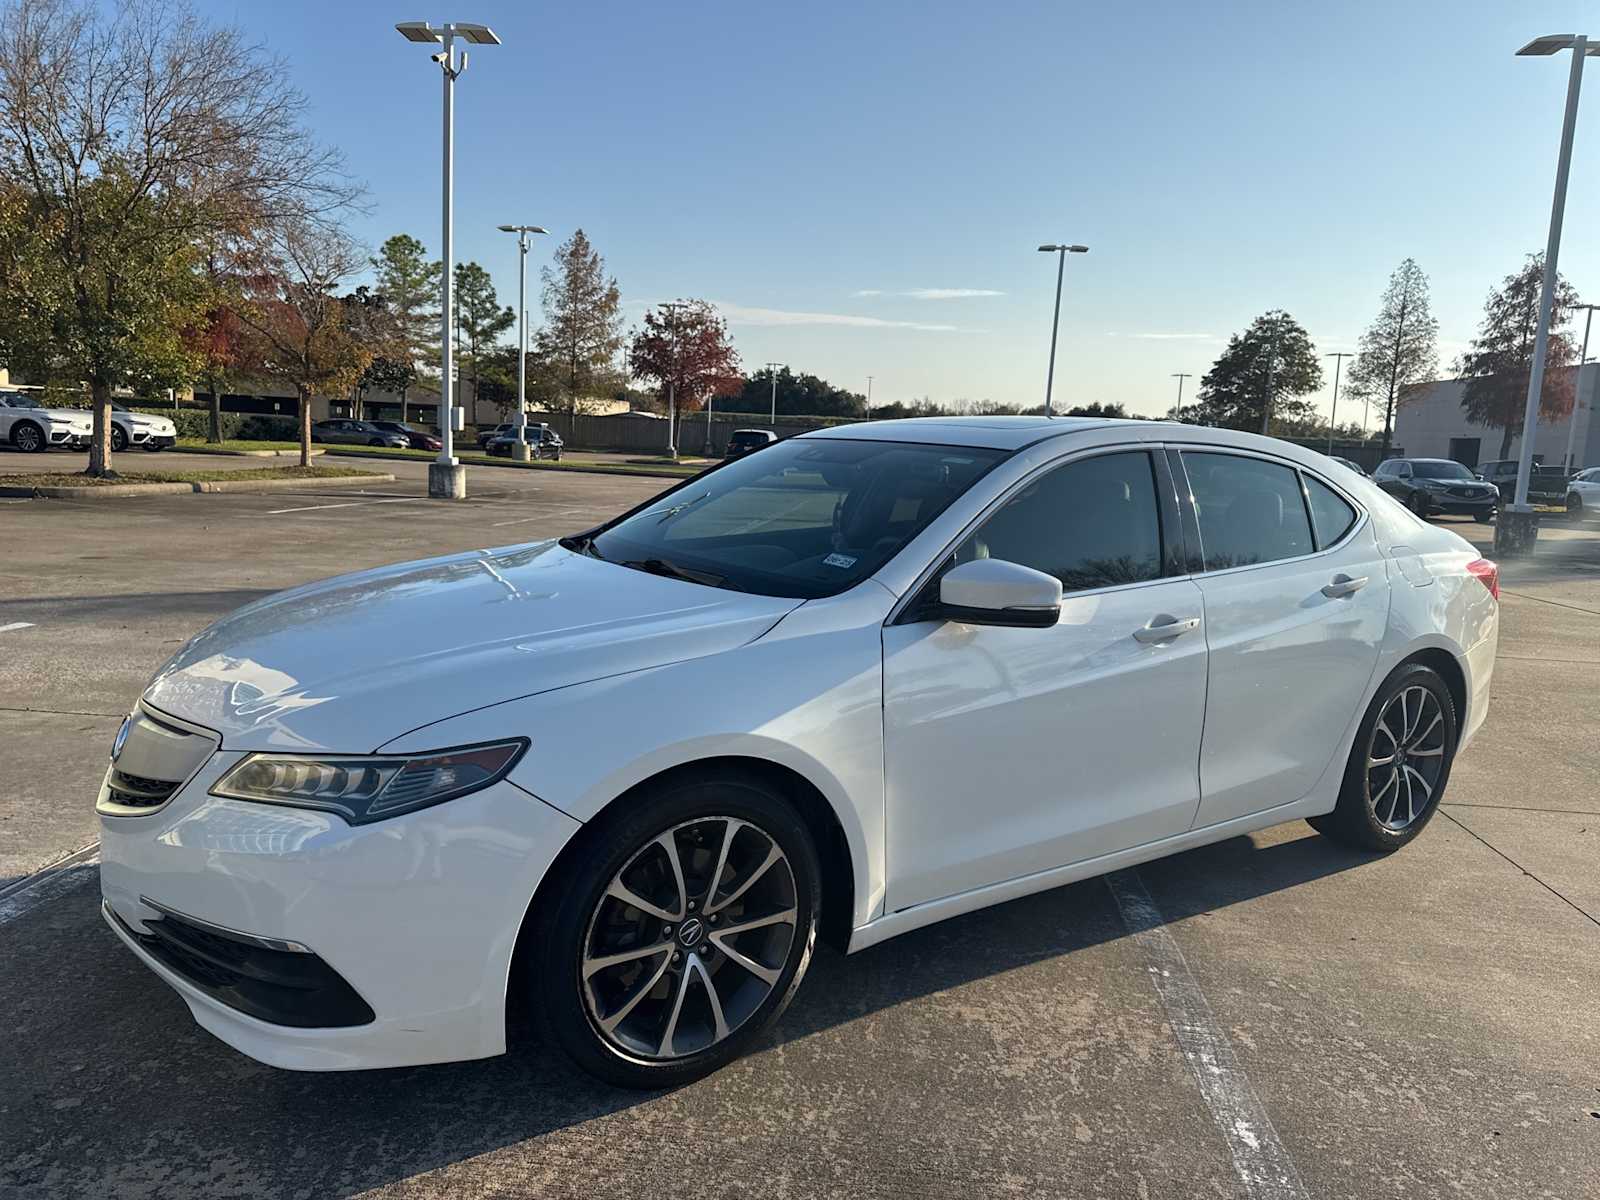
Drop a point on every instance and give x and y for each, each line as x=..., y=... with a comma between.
x=992, y=591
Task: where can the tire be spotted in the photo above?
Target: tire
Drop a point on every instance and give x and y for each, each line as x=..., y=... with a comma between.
x=1368, y=814
x=663, y=1029
x=1419, y=504
x=29, y=438
x=1574, y=507
x=151, y=448
x=119, y=439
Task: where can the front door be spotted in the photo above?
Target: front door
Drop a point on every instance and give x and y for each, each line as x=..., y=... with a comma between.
x=1296, y=611
x=1011, y=751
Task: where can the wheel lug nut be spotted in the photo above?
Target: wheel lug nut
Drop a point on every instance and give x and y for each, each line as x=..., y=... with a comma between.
x=677, y=956
x=691, y=906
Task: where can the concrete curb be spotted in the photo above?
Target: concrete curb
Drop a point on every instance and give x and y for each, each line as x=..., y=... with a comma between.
x=566, y=465
x=242, y=453
x=111, y=491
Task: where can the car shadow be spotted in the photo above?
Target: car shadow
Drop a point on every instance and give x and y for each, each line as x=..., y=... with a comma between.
x=113, y=1089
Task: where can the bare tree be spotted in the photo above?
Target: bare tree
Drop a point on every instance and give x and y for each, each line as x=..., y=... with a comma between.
x=299, y=328
x=128, y=139
x=1401, y=346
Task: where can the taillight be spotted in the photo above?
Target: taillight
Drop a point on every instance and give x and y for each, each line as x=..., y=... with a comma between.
x=1487, y=574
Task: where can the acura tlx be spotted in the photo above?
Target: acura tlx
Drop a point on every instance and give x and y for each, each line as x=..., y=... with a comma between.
x=844, y=686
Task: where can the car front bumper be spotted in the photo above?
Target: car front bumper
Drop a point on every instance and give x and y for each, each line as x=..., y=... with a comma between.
x=71, y=439
x=1461, y=505
x=417, y=916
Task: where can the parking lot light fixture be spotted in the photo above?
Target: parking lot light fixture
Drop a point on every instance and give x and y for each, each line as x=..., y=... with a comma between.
x=522, y=232
x=1518, y=528
x=447, y=478
x=772, y=369
x=1333, y=413
x=1061, y=250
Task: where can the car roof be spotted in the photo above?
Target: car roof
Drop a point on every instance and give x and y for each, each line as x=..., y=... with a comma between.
x=994, y=433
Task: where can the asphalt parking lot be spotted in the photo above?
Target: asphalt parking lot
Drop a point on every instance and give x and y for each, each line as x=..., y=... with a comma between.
x=1415, y=1026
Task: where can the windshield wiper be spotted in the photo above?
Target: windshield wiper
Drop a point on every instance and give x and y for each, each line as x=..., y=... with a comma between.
x=660, y=566
x=582, y=543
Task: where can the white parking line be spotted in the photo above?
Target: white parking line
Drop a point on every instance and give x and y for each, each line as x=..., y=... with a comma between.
x=1259, y=1159
x=16, y=625
x=560, y=512
x=60, y=877
x=278, y=512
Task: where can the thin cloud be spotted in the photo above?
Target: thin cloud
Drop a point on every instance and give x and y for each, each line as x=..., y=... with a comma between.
x=932, y=293
x=739, y=314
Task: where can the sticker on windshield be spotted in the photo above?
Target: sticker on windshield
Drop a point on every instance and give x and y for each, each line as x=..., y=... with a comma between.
x=839, y=560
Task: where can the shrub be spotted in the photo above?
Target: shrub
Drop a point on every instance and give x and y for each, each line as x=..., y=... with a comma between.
x=247, y=427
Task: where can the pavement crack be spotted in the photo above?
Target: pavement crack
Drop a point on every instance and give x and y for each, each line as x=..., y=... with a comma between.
x=62, y=712
x=1581, y=912
x=1593, y=612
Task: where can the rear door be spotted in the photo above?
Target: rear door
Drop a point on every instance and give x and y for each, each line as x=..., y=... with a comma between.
x=1296, y=605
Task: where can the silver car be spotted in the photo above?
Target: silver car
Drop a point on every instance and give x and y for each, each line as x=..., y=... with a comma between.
x=346, y=432
x=30, y=427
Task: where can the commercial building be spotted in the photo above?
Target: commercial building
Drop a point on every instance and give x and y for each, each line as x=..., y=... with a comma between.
x=1430, y=423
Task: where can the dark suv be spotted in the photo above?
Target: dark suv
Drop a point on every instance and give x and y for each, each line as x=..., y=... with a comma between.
x=748, y=441
x=1437, y=485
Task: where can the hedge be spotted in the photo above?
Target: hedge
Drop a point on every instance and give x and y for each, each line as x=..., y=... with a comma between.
x=247, y=427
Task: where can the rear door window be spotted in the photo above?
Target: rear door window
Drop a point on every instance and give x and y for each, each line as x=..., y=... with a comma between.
x=1251, y=511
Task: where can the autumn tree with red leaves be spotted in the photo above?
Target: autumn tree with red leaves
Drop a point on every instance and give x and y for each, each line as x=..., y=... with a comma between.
x=685, y=351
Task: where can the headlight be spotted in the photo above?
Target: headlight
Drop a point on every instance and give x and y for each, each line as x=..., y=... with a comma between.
x=366, y=788
x=1432, y=485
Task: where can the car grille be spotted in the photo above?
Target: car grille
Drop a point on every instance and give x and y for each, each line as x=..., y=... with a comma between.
x=153, y=760
x=1469, y=493
x=136, y=791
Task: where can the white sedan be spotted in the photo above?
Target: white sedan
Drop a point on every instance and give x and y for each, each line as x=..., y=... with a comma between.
x=865, y=680
x=1583, y=495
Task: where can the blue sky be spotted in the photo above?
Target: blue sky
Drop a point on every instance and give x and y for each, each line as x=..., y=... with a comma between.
x=861, y=186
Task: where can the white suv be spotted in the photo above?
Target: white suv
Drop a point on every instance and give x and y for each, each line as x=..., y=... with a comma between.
x=129, y=428
x=32, y=428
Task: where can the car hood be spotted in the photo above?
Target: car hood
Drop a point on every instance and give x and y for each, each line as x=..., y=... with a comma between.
x=74, y=416
x=353, y=662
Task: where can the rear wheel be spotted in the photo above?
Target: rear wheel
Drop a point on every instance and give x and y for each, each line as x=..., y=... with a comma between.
x=680, y=933
x=1399, y=764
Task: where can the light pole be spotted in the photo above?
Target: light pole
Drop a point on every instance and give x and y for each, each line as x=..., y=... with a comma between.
x=772, y=369
x=671, y=310
x=522, y=232
x=1577, y=385
x=1180, y=376
x=1061, y=250
x=1266, y=401
x=869, y=395
x=1518, y=527
x=447, y=478
x=1333, y=413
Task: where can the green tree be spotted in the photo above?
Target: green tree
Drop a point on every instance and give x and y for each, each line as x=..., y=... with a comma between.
x=409, y=285
x=481, y=321
x=1260, y=378
x=1497, y=364
x=301, y=330
x=797, y=395
x=578, y=345
x=1400, y=348
x=128, y=136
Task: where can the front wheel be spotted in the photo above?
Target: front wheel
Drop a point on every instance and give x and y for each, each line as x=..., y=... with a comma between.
x=119, y=439
x=1419, y=504
x=681, y=931
x=1399, y=764
x=1574, y=507
x=28, y=437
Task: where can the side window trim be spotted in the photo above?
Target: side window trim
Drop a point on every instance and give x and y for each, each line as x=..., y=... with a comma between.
x=1316, y=533
x=909, y=609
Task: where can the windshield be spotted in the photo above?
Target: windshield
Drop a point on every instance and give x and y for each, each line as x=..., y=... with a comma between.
x=1433, y=468
x=804, y=518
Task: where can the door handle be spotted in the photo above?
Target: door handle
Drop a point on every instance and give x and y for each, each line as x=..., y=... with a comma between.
x=1344, y=585
x=1164, y=627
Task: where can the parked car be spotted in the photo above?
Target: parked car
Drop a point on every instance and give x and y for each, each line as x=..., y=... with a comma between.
x=1546, y=485
x=417, y=439
x=543, y=441
x=747, y=441
x=1350, y=463
x=1428, y=486
x=485, y=436
x=28, y=426
x=143, y=430
x=347, y=432
x=1583, y=495
x=867, y=679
